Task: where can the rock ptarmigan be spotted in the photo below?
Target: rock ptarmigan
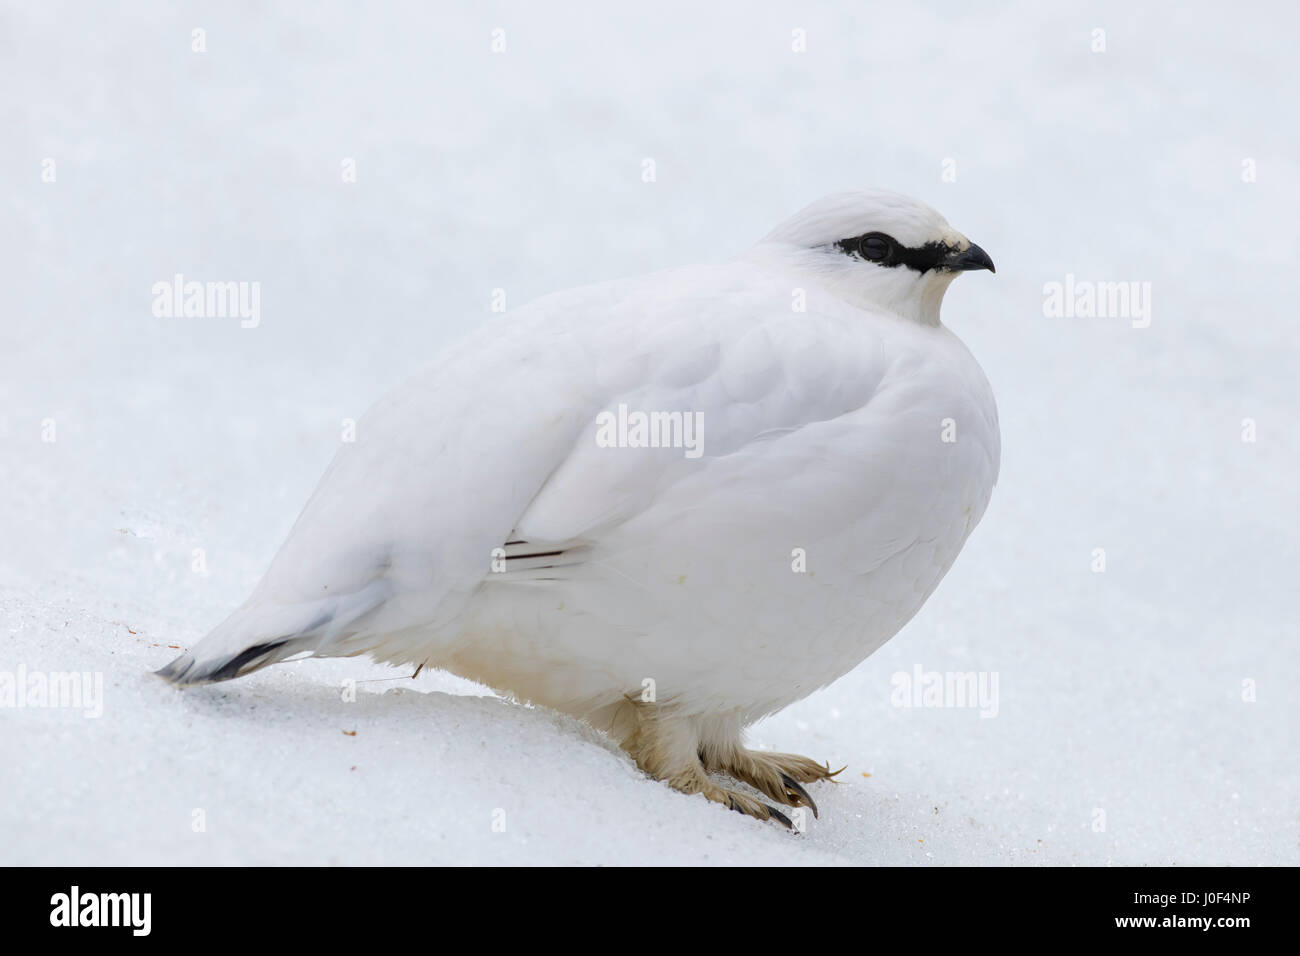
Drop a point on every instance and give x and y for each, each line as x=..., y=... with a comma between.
x=669, y=505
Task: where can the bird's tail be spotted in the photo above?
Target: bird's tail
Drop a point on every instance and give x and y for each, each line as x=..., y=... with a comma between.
x=259, y=634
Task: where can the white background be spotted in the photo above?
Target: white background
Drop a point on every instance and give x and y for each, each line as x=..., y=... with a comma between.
x=1119, y=691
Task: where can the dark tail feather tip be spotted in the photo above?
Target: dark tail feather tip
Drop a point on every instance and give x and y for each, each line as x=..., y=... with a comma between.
x=184, y=670
x=175, y=671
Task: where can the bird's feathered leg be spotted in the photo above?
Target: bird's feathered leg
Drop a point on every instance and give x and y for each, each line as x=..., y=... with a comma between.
x=667, y=745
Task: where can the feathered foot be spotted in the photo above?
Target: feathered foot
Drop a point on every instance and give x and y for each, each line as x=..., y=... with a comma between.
x=667, y=748
x=779, y=776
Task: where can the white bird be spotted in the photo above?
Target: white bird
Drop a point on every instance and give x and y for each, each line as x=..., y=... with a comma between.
x=669, y=505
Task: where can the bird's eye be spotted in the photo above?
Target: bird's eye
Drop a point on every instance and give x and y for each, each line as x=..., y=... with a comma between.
x=874, y=248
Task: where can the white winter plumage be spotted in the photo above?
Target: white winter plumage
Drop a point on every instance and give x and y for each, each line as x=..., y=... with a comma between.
x=476, y=524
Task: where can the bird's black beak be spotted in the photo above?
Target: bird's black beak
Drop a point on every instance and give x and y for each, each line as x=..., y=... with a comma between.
x=970, y=258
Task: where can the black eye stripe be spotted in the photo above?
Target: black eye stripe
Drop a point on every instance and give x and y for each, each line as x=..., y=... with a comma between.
x=919, y=258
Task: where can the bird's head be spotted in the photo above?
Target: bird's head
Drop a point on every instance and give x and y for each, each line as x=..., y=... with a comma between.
x=875, y=249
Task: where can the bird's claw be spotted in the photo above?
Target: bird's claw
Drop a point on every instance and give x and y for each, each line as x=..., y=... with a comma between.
x=797, y=794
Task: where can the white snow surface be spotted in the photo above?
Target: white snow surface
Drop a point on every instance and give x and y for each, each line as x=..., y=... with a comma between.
x=1124, y=733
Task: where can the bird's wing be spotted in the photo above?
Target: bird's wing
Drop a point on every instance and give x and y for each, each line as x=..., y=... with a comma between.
x=736, y=372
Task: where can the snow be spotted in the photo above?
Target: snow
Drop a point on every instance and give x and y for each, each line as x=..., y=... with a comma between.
x=1122, y=732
